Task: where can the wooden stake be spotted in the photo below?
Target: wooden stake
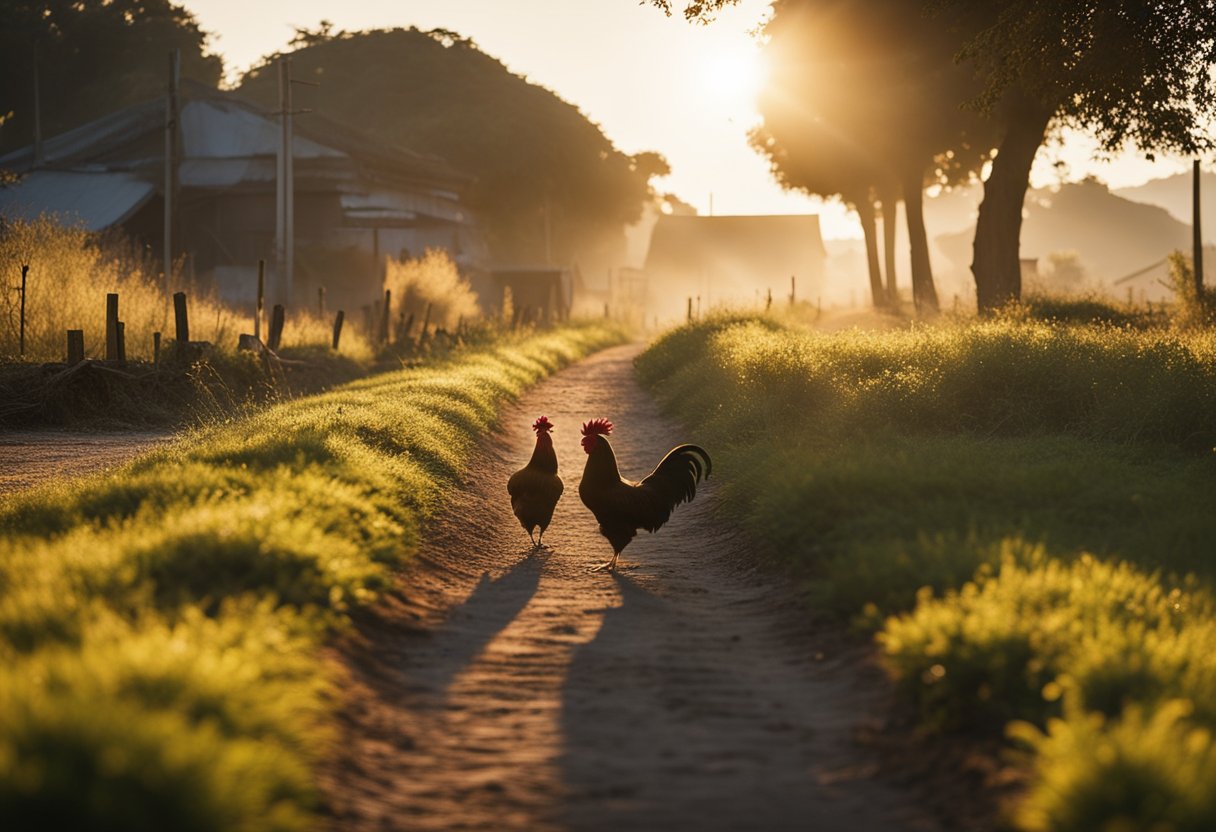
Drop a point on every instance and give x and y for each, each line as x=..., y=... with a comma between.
x=386, y=315
x=122, y=342
x=75, y=346
x=338, y=328
x=426, y=321
x=25, y=270
x=261, y=304
x=690, y=309
x=277, y=318
x=181, y=318
x=111, y=327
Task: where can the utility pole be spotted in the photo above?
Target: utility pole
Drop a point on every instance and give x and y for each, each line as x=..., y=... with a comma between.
x=285, y=197
x=171, y=107
x=37, y=110
x=1197, y=228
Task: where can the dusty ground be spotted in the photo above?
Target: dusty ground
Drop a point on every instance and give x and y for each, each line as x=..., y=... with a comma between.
x=504, y=689
x=31, y=458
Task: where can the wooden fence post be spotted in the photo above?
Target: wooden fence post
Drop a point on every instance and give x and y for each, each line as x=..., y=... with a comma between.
x=181, y=318
x=75, y=346
x=768, y=304
x=155, y=349
x=25, y=270
x=261, y=304
x=122, y=342
x=386, y=315
x=791, y=290
x=426, y=321
x=338, y=327
x=111, y=327
x=277, y=317
x=689, y=317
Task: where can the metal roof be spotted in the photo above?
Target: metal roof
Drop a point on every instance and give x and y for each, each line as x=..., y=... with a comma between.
x=95, y=200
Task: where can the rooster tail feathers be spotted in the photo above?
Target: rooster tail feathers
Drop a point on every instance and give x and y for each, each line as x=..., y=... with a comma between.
x=676, y=477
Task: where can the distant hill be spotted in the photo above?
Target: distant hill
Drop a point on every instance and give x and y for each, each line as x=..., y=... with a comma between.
x=1112, y=235
x=1173, y=193
x=546, y=176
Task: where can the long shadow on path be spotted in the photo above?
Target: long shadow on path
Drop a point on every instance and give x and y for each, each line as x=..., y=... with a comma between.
x=666, y=727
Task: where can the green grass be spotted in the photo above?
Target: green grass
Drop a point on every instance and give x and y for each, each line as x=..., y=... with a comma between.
x=159, y=625
x=1022, y=510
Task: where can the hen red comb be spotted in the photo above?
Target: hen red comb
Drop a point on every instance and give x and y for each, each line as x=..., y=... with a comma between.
x=542, y=424
x=597, y=426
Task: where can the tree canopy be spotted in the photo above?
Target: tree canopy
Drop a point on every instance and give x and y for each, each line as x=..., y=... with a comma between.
x=93, y=58
x=1131, y=72
x=541, y=166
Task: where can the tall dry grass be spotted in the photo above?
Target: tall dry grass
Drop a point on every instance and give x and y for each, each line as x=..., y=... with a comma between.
x=72, y=270
x=431, y=279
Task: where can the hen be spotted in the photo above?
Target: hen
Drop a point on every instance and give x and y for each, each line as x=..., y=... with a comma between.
x=622, y=506
x=536, y=488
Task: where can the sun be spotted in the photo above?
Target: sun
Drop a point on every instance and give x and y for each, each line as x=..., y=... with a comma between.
x=734, y=77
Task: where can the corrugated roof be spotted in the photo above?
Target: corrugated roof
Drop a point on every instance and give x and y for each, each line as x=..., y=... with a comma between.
x=94, y=200
x=220, y=125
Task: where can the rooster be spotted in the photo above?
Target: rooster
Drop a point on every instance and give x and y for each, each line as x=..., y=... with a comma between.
x=536, y=488
x=622, y=506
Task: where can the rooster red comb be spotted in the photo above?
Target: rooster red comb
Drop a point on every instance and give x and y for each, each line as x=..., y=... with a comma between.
x=542, y=425
x=597, y=426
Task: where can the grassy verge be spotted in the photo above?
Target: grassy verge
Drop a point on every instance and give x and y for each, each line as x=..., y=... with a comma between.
x=1022, y=510
x=158, y=626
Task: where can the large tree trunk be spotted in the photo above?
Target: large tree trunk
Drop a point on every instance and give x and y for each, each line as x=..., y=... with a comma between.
x=998, y=230
x=924, y=293
x=865, y=212
x=889, y=204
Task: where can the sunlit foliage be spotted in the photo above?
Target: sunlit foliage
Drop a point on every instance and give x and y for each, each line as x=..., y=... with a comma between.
x=1022, y=509
x=159, y=624
x=70, y=273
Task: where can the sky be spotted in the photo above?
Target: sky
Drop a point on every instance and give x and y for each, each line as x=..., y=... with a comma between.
x=650, y=82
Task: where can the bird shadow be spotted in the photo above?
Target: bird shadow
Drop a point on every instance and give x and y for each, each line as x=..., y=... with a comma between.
x=473, y=623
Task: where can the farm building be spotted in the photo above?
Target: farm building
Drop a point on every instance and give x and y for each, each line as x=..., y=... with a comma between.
x=729, y=259
x=356, y=200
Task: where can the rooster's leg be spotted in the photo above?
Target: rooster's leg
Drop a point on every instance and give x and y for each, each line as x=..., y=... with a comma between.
x=532, y=537
x=609, y=566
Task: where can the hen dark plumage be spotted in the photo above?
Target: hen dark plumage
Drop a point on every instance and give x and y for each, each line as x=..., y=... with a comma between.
x=536, y=488
x=622, y=506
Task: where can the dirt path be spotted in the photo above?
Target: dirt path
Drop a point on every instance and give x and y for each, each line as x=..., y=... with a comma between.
x=31, y=458
x=510, y=690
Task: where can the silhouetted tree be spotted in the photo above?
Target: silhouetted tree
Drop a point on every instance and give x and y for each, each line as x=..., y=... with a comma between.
x=1132, y=72
x=93, y=58
x=869, y=84
x=546, y=177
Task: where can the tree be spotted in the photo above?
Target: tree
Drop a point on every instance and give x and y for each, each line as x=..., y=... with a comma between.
x=875, y=82
x=1131, y=72
x=92, y=58
x=547, y=183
